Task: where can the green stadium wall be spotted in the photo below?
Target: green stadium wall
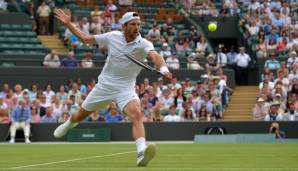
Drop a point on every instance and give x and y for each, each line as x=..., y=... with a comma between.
x=182, y=131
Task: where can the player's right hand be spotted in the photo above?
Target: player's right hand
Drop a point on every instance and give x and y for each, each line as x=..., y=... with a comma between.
x=168, y=76
x=62, y=16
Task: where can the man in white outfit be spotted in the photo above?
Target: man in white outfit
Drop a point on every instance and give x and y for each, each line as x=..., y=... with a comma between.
x=117, y=79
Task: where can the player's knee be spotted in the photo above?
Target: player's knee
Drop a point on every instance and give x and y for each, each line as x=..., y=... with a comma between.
x=136, y=115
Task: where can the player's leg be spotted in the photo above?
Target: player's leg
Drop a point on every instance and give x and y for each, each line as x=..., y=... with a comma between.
x=71, y=122
x=95, y=100
x=144, y=153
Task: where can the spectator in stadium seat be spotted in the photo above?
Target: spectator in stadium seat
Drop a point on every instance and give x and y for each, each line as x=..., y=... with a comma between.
x=40, y=109
x=18, y=92
x=221, y=57
x=275, y=4
x=96, y=14
x=293, y=73
x=271, y=47
x=194, y=35
x=174, y=85
x=277, y=20
x=211, y=64
x=32, y=92
x=87, y=62
x=109, y=12
x=216, y=98
x=231, y=55
x=95, y=117
x=70, y=61
x=242, y=61
x=49, y=117
x=293, y=59
x=146, y=107
x=70, y=107
x=84, y=25
x=273, y=114
x=202, y=114
x=112, y=114
x=179, y=46
x=188, y=44
x=5, y=90
x=62, y=94
x=116, y=25
x=253, y=29
x=57, y=106
x=154, y=33
x=165, y=51
x=292, y=113
x=272, y=63
x=49, y=93
x=170, y=27
x=4, y=111
x=76, y=93
x=63, y=117
x=172, y=116
x=20, y=118
x=272, y=36
x=82, y=87
x=35, y=117
x=156, y=114
x=173, y=62
x=202, y=45
x=187, y=116
x=51, y=60
x=260, y=110
x=44, y=102
x=166, y=100
x=281, y=45
x=43, y=12
x=179, y=100
x=192, y=64
x=96, y=26
x=261, y=48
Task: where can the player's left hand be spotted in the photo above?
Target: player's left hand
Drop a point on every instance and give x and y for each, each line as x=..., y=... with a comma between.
x=168, y=76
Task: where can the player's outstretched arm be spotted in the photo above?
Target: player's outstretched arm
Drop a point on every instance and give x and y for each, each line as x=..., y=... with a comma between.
x=66, y=20
x=160, y=64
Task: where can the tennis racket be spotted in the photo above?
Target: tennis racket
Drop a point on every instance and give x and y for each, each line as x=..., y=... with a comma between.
x=142, y=64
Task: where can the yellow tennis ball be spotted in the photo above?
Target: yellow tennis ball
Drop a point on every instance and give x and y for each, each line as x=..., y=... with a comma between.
x=212, y=26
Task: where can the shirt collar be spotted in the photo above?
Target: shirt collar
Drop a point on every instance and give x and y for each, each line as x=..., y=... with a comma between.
x=136, y=40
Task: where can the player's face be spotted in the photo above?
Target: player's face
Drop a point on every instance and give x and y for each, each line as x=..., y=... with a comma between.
x=132, y=28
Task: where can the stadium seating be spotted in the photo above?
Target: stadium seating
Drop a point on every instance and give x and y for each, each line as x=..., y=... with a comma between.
x=19, y=38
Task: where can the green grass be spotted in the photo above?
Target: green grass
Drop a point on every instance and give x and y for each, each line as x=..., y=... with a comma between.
x=211, y=157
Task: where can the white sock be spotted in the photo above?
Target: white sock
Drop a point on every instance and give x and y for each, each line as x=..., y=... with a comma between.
x=70, y=124
x=141, y=144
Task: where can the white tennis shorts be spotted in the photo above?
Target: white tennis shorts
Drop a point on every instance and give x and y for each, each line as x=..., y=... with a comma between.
x=100, y=96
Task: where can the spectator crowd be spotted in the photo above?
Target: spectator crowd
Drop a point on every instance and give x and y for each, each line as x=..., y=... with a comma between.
x=188, y=100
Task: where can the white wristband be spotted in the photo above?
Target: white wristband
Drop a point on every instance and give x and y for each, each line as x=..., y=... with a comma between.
x=163, y=69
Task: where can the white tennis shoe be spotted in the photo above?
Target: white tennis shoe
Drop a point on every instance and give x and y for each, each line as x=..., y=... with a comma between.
x=62, y=130
x=144, y=157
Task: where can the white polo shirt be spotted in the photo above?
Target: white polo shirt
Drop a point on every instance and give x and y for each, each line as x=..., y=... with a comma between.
x=119, y=72
x=242, y=60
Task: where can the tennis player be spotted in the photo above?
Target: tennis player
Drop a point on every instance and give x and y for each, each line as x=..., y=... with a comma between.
x=118, y=77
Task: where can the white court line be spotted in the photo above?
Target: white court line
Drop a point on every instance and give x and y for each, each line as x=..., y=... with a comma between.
x=158, y=168
x=71, y=160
